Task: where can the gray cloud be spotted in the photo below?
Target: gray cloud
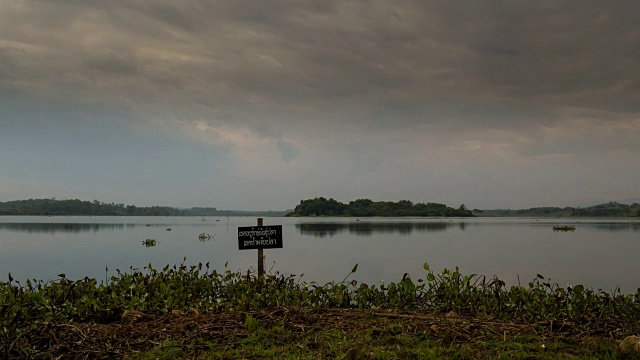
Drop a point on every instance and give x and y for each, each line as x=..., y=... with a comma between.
x=304, y=78
x=289, y=152
x=356, y=57
x=113, y=63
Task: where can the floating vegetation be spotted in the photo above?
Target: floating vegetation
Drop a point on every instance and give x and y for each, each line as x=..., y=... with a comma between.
x=204, y=237
x=149, y=242
x=564, y=228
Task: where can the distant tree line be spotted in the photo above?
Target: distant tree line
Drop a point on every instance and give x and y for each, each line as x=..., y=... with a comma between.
x=612, y=209
x=609, y=209
x=312, y=207
x=365, y=207
x=55, y=207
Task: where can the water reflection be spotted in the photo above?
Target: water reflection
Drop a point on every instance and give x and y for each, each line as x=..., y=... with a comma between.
x=327, y=248
x=52, y=228
x=405, y=228
x=369, y=228
x=614, y=227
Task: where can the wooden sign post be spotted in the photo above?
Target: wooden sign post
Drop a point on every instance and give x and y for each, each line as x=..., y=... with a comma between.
x=260, y=237
x=260, y=255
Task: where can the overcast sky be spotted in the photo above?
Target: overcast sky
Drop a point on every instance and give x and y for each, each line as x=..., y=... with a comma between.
x=259, y=104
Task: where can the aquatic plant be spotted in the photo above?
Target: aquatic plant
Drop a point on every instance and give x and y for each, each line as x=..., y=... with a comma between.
x=204, y=237
x=564, y=228
x=29, y=311
x=149, y=242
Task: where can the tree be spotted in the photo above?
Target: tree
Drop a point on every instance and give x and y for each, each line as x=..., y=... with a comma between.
x=320, y=206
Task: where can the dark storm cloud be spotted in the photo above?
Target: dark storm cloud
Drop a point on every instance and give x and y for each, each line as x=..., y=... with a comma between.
x=580, y=55
x=375, y=61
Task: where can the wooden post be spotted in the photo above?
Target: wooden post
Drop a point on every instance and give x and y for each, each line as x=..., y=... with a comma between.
x=260, y=255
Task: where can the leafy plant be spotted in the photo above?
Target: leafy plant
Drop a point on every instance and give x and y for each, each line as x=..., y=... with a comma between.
x=149, y=242
x=29, y=310
x=564, y=228
x=204, y=237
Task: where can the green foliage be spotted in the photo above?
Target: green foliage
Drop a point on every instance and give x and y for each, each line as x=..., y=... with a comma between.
x=204, y=237
x=603, y=210
x=251, y=323
x=149, y=242
x=365, y=207
x=564, y=228
x=24, y=307
x=78, y=207
x=609, y=209
x=96, y=208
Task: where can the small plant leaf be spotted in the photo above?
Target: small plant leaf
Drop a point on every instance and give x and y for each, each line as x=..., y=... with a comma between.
x=355, y=268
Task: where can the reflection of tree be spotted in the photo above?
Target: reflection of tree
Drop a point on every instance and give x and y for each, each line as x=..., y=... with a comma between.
x=320, y=230
x=52, y=228
x=613, y=227
x=370, y=228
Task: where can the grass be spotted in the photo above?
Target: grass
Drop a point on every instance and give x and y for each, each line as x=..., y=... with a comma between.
x=197, y=312
x=398, y=338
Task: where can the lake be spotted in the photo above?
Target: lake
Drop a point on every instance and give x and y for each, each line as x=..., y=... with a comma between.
x=600, y=253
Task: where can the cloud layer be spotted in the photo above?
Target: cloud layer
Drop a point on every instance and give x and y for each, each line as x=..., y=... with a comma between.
x=507, y=104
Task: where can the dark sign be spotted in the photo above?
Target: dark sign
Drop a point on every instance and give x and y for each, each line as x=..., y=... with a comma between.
x=259, y=237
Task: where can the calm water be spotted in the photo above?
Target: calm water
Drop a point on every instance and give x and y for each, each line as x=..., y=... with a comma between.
x=599, y=254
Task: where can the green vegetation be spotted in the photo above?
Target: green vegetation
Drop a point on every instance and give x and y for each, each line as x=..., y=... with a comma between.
x=612, y=209
x=204, y=237
x=149, y=242
x=55, y=207
x=609, y=209
x=311, y=207
x=78, y=207
x=564, y=228
x=364, y=207
x=209, y=314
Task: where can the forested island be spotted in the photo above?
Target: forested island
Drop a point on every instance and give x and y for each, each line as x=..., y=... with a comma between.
x=321, y=206
x=365, y=207
x=53, y=207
